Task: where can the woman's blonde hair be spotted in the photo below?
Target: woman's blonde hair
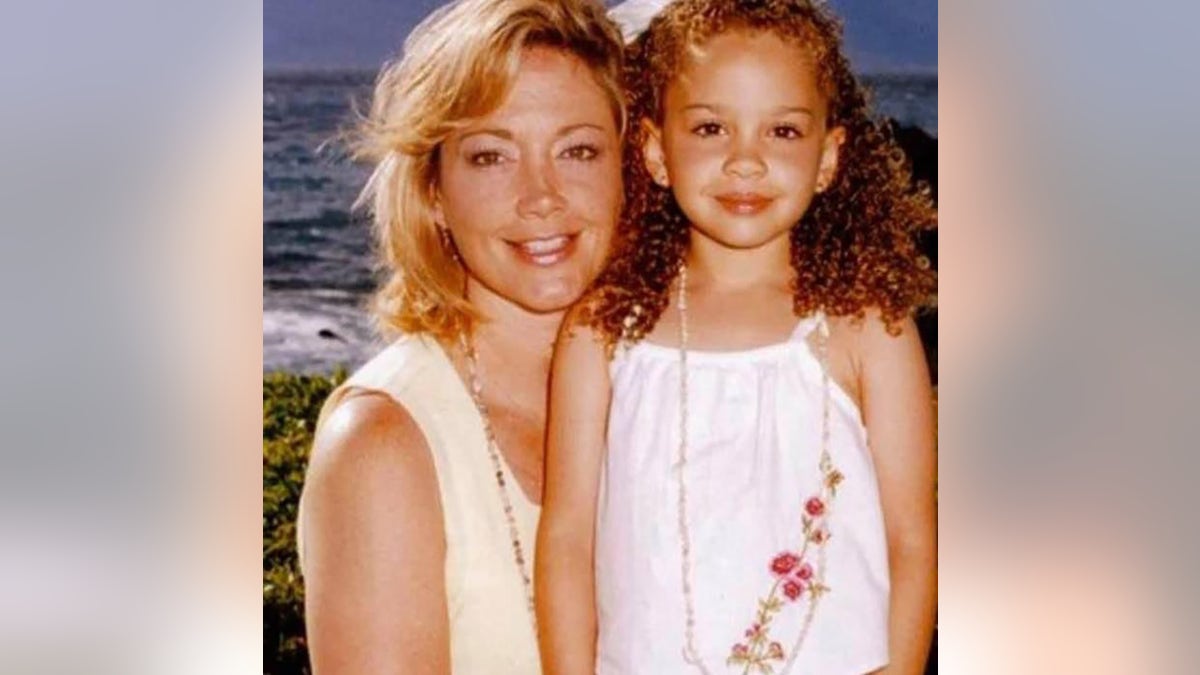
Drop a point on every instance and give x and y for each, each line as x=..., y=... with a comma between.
x=457, y=65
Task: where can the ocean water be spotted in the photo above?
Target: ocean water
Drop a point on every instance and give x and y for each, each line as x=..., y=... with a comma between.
x=318, y=269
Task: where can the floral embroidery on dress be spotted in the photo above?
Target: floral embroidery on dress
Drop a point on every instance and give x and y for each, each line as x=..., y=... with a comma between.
x=794, y=577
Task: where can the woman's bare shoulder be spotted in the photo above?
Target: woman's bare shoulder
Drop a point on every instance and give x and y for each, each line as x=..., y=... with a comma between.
x=373, y=540
x=370, y=448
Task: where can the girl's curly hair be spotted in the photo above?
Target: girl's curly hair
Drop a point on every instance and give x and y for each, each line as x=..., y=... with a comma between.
x=855, y=246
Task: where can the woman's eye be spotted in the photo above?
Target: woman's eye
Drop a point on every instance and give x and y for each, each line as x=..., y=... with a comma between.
x=485, y=158
x=787, y=131
x=582, y=152
x=707, y=129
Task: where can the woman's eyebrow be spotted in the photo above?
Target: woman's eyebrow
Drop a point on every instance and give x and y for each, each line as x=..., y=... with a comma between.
x=507, y=135
x=499, y=133
x=570, y=128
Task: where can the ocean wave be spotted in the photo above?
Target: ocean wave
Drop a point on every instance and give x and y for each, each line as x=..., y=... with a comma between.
x=328, y=219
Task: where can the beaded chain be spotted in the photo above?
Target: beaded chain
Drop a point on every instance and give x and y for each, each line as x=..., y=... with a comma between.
x=690, y=654
x=494, y=452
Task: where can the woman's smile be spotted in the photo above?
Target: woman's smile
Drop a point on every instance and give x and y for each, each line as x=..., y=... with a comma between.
x=545, y=251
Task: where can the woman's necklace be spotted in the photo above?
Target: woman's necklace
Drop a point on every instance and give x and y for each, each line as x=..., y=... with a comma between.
x=794, y=577
x=493, y=448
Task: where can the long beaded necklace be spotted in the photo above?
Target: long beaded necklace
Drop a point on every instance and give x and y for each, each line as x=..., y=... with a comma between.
x=493, y=449
x=831, y=477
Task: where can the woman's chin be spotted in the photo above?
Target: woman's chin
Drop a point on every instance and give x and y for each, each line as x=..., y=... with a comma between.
x=553, y=295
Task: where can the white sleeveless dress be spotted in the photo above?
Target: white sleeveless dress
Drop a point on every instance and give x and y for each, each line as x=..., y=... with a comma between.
x=754, y=442
x=490, y=627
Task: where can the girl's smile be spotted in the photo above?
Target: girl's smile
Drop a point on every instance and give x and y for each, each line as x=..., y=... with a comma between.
x=744, y=203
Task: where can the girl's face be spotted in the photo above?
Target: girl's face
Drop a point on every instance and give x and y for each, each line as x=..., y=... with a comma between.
x=743, y=143
x=531, y=192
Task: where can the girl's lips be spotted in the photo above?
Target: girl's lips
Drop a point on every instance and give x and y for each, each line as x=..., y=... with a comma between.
x=546, y=250
x=744, y=204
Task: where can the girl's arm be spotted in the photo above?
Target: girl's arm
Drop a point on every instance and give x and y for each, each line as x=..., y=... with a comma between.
x=563, y=569
x=374, y=547
x=898, y=412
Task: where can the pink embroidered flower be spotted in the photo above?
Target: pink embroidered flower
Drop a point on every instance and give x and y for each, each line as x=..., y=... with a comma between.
x=740, y=650
x=753, y=631
x=784, y=563
x=818, y=536
x=805, y=572
x=814, y=506
x=792, y=589
x=775, y=651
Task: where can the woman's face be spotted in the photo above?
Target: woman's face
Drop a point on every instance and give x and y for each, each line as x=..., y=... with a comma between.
x=531, y=192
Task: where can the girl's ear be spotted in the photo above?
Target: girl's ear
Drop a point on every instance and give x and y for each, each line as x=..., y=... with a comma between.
x=830, y=149
x=652, y=153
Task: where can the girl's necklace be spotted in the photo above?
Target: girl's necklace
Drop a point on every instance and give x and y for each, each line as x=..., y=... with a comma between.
x=493, y=449
x=758, y=650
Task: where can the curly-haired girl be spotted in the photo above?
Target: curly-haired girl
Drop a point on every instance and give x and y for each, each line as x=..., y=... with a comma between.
x=712, y=500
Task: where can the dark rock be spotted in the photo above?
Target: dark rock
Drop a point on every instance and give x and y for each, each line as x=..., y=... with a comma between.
x=921, y=150
x=329, y=335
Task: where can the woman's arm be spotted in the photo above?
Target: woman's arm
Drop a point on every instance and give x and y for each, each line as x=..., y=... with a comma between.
x=374, y=545
x=898, y=412
x=563, y=577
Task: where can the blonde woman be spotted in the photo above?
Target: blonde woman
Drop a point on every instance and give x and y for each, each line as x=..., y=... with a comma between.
x=496, y=142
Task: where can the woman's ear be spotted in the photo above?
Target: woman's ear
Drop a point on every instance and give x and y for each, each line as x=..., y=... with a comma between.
x=652, y=153
x=830, y=149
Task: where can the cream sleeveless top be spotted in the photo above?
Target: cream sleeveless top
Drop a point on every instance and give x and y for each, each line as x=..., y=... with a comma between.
x=754, y=439
x=490, y=628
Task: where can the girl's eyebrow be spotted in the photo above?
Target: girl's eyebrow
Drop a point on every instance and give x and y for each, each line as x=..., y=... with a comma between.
x=719, y=109
x=793, y=110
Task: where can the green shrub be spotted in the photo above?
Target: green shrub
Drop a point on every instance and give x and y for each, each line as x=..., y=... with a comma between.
x=290, y=407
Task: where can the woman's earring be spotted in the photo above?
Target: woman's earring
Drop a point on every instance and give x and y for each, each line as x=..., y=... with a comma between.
x=448, y=243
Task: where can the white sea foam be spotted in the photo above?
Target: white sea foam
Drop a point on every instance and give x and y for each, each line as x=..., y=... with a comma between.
x=306, y=334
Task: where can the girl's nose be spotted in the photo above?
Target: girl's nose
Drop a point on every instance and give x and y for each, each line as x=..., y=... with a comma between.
x=745, y=158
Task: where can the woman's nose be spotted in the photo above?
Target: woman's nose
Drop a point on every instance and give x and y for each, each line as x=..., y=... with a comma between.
x=540, y=196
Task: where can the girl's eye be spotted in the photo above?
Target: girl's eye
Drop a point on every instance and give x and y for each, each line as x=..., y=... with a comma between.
x=485, y=158
x=582, y=152
x=707, y=129
x=786, y=131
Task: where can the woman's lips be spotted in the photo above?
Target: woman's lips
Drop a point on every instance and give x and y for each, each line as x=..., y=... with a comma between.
x=744, y=203
x=545, y=251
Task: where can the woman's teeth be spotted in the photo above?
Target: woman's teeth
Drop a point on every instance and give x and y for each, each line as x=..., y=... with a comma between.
x=545, y=246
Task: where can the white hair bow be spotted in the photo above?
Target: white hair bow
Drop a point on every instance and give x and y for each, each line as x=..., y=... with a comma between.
x=633, y=16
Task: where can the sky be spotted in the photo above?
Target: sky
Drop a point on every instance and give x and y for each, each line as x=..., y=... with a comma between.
x=881, y=35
